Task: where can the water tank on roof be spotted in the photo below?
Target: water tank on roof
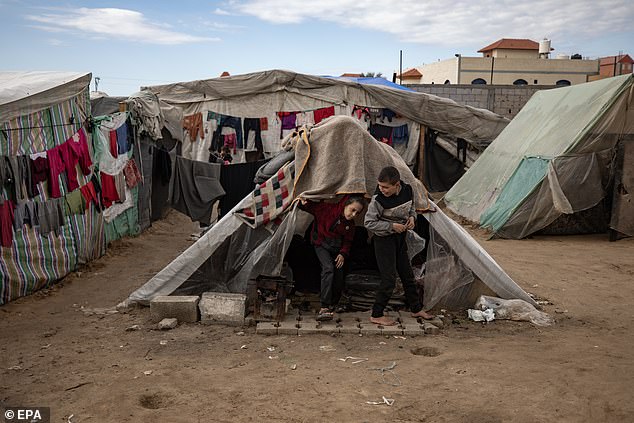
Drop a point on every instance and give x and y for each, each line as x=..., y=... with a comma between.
x=544, y=48
x=562, y=56
x=576, y=56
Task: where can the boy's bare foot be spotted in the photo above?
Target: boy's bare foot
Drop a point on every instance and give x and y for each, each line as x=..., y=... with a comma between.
x=423, y=314
x=383, y=321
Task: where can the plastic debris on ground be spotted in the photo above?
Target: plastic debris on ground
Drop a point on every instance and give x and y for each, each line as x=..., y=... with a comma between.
x=355, y=360
x=388, y=401
x=481, y=316
x=518, y=310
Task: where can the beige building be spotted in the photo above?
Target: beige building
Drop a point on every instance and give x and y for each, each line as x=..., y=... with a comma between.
x=511, y=62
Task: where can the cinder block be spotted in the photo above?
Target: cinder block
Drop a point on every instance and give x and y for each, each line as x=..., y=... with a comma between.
x=430, y=329
x=371, y=329
x=392, y=330
x=184, y=308
x=288, y=327
x=220, y=307
x=266, y=328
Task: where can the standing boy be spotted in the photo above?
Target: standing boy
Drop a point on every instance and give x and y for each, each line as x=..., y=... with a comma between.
x=390, y=215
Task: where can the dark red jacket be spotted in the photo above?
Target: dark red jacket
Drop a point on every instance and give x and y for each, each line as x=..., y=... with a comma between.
x=330, y=224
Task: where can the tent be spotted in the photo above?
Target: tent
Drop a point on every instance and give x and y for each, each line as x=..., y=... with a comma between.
x=565, y=164
x=54, y=157
x=264, y=94
x=243, y=245
x=38, y=112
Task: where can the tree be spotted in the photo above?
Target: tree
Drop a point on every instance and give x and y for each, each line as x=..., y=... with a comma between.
x=372, y=75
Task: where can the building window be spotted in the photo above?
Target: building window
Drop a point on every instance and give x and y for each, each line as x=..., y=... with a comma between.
x=520, y=82
x=478, y=81
x=447, y=82
x=534, y=81
x=562, y=83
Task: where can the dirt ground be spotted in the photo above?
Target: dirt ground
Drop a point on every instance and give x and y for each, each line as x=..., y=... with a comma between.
x=55, y=353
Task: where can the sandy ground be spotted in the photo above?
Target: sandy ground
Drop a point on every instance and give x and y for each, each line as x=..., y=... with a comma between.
x=55, y=354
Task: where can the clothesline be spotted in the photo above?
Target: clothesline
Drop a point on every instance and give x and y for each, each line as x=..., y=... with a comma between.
x=41, y=127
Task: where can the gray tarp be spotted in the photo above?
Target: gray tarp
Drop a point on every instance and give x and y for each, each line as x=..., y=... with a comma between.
x=257, y=94
x=253, y=251
x=23, y=93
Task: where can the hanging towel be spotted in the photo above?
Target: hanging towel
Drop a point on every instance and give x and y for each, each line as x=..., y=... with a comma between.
x=321, y=114
x=400, y=134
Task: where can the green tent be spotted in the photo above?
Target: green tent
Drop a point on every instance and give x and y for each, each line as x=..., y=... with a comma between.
x=565, y=164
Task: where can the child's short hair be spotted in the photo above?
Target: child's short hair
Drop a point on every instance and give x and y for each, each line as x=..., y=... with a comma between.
x=390, y=175
x=357, y=199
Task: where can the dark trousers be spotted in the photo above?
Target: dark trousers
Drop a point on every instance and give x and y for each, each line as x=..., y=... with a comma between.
x=331, y=277
x=392, y=260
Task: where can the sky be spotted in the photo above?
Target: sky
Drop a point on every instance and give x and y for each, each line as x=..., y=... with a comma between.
x=134, y=43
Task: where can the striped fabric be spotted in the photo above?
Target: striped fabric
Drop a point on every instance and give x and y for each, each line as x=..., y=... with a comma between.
x=35, y=261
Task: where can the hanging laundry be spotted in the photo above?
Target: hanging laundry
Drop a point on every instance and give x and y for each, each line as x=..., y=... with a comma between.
x=132, y=174
x=195, y=188
x=24, y=170
x=251, y=124
x=400, y=134
x=70, y=165
x=6, y=224
x=25, y=213
x=50, y=214
x=288, y=120
x=193, y=124
x=55, y=168
x=90, y=195
x=358, y=112
x=74, y=203
x=230, y=140
x=8, y=176
x=387, y=114
x=372, y=114
x=109, y=193
x=123, y=140
x=119, y=183
x=382, y=133
x=97, y=187
x=305, y=118
x=321, y=114
x=264, y=124
x=113, y=147
x=115, y=210
x=237, y=181
x=227, y=122
x=39, y=172
x=79, y=145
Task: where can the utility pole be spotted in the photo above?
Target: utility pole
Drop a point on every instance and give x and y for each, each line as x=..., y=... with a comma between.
x=400, y=66
x=97, y=79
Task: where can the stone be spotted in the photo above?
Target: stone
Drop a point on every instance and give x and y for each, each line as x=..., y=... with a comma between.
x=430, y=329
x=182, y=307
x=437, y=321
x=167, y=324
x=223, y=308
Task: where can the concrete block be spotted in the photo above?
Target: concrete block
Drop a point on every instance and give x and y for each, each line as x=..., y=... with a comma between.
x=392, y=330
x=266, y=328
x=430, y=329
x=371, y=329
x=437, y=321
x=313, y=327
x=166, y=324
x=288, y=327
x=182, y=307
x=220, y=307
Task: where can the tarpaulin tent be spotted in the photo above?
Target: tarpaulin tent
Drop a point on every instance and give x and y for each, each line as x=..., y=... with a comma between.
x=264, y=94
x=40, y=111
x=237, y=249
x=554, y=165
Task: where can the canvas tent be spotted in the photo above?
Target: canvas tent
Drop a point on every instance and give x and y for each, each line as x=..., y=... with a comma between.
x=553, y=167
x=234, y=250
x=264, y=94
x=38, y=112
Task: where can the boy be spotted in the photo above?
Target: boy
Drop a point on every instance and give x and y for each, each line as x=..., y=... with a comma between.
x=390, y=215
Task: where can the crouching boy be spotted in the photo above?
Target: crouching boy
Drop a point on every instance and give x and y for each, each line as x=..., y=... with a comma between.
x=390, y=215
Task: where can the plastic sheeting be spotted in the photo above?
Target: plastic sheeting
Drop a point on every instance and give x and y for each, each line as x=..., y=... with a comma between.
x=554, y=158
x=257, y=94
x=23, y=93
